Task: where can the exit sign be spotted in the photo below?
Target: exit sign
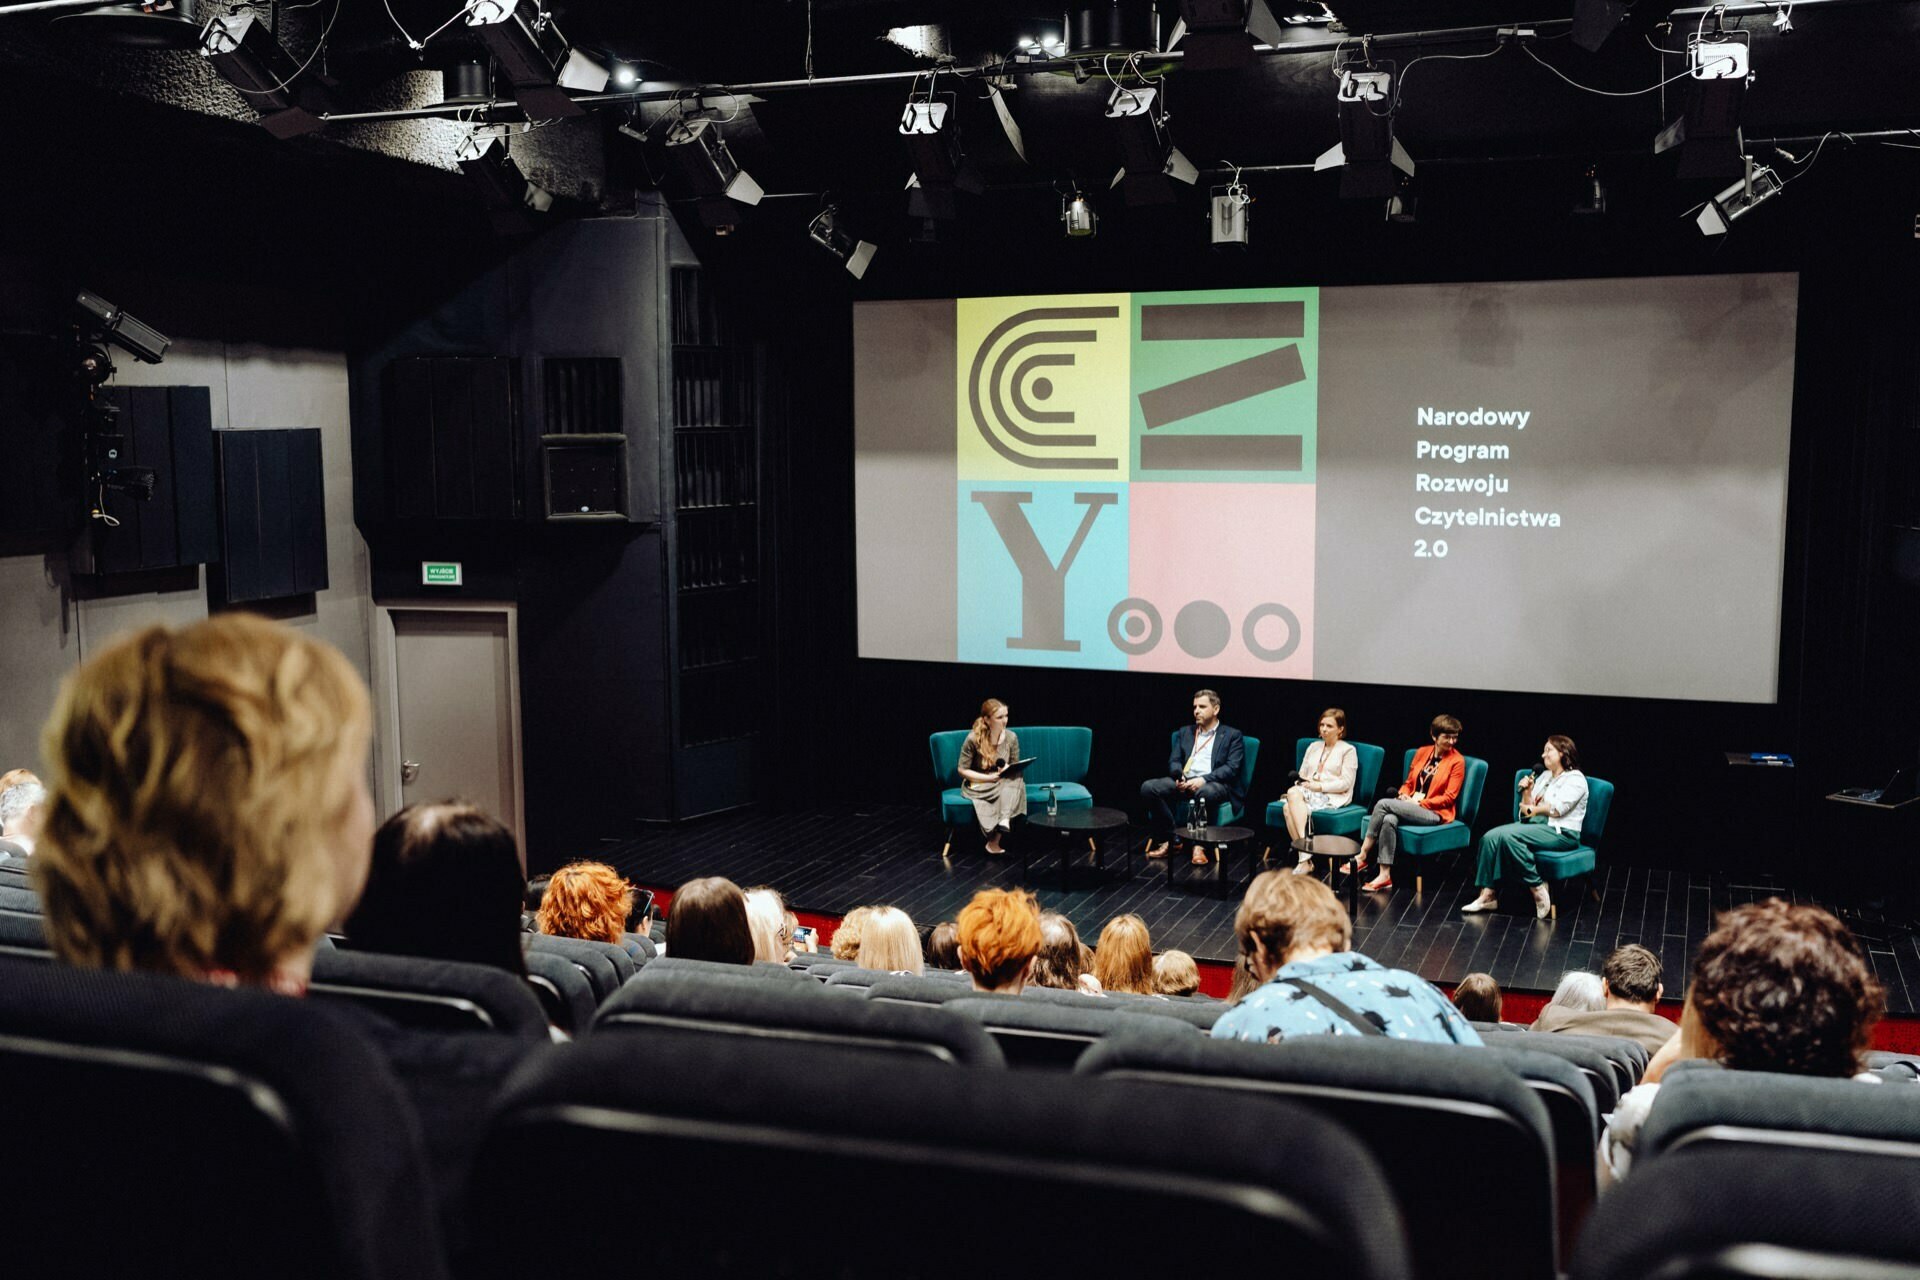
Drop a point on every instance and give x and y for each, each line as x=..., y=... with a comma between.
x=440, y=573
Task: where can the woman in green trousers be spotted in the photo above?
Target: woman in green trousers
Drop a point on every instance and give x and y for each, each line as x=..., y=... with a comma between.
x=1553, y=808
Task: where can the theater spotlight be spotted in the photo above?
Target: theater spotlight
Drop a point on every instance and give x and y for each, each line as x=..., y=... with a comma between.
x=940, y=167
x=1079, y=216
x=1216, y=35
x=534, y=57
x=624, y=76
x=142, y=341
x=1403, y=208
x=1229, y=215
x=699, y=157
x=506, y=192
x=1370, y=159
x=1591, y=201
x=1150, y=163
x=1754, y=188
x=246, y=55
x=829, y=232
x=1707, y=133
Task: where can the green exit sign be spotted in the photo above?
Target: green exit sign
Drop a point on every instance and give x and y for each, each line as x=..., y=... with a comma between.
x=440, y=573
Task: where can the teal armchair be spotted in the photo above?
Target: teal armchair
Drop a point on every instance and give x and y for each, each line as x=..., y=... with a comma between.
x=1578, y=861
x=1062, y=755
x=1348, y=819
x=1228, y=813
x=1448, y=837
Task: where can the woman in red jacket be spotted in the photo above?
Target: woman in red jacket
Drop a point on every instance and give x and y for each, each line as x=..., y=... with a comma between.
x=1427, y=798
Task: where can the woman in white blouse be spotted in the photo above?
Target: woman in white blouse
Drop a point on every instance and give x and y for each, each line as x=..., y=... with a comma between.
x=1327, y=774
x=1552, y=811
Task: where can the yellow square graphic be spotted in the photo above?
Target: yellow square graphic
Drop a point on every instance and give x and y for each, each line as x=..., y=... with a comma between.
x=1043, y=387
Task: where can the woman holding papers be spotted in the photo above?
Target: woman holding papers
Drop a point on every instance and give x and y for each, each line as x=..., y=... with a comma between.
x=984, y=757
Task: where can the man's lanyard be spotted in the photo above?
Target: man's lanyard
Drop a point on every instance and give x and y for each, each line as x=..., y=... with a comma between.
x=1197, y=740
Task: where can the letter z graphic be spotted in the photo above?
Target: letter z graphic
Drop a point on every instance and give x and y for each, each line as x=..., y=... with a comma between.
x=1218, y=388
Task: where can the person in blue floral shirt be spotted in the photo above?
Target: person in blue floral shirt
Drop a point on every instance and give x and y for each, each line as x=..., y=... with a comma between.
x=1294, y=938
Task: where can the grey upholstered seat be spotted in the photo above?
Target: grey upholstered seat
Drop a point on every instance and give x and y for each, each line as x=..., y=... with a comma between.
x=435, y=995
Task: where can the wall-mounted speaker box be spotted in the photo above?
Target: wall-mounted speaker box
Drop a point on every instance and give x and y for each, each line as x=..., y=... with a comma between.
x=169, y=429
x=451, y=444
x=273, y=516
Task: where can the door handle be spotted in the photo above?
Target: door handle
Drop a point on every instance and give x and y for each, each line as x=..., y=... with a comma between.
x=409, y=771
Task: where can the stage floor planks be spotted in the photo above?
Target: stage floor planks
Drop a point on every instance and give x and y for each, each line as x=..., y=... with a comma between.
x=832, y=862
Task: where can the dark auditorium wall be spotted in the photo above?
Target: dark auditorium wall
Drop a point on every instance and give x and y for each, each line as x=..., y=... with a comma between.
x=1848, y=705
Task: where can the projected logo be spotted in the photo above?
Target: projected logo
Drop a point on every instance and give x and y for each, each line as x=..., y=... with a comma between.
x=1135, y=481
x=1043, y=387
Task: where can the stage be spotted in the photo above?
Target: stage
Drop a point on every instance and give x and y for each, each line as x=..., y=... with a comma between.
x=828, y=863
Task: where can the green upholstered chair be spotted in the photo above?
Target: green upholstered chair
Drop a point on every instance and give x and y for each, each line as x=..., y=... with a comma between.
x=1579, y=861
x=1448, y=837
x=1347, y=819
x=1062, y=754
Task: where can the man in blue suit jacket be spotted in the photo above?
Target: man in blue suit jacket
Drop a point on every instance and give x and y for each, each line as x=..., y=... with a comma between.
x=1205, y=765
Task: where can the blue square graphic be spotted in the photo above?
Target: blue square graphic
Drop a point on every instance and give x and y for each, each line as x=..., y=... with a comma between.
x=1041, y=567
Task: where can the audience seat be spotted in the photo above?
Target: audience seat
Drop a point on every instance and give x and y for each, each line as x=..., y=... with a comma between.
x=1104, y=1178
x=19, y=899
x=909, y=989
x=1053, y=1036
x=170, y=1129
x=1628, y=1057
x=1719, y=1214
x=1567, y=1094
x=432, y=995
x=1761, y=1113
x=24, y=935
x=668, y=968
x=1201, y=1016
x=606, y=966
x=1465, y=1144
x=565, y=995
x=1594, y=1065
x=799, y=1012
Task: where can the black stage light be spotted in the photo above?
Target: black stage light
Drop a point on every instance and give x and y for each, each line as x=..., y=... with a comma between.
x=1707, y=133
x=1112, y=26
x=466, y=84
x=1591, y=202
x=534, y=57
x=157, y=24
x=506, y=192
x=1221, y=34
x=1229, y=223
x=1079, y=216
x=1754, y=188
x=247, y=56
x=940, y=167
x=700, y=159
x=1150, y=163
x=144, y=342
x=829, y=231
x=1369, y=157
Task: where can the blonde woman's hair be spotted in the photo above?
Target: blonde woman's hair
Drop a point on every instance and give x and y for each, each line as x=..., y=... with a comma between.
x=200, y=779
x=846, y=936
x=767, y=921
x=1175, y=974
x=889, y=941
x=1123, y=958
x=982, y=734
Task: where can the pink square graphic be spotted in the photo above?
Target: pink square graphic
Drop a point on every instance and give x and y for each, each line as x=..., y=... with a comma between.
x=1220, y=565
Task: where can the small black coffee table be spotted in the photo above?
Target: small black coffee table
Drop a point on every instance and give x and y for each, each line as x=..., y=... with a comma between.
x=1209, y=838
x=1328, y=852
x=1093, y=823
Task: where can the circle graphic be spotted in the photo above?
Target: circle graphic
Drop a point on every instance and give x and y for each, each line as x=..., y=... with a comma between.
x=1140, y=623
x=1259, y=614
x=1202, y=628
x=1042, y=388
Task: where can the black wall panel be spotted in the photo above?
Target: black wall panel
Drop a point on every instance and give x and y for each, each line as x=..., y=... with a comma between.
x=272, y=515
x=450, y=442
x=169, y=429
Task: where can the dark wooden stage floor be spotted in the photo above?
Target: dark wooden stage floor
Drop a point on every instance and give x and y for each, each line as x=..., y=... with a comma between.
x=832, y=862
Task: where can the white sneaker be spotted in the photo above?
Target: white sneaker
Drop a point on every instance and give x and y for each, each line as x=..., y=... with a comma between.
x=1542, y=902
x=1485, y=902
x=1304, y=867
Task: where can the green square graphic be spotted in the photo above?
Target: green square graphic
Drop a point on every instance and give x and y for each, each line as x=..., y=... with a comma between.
x=1225, y=385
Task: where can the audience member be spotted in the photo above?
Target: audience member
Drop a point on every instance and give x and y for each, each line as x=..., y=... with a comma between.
x=22, y=806
x=1630, y=987
x=1478, y=998
x=1776, y=987
x=767, y=921
x=1578, y=992
x=846, y=937
x=889, y=942
x=707, y=920
x=1062, y=962
x=445, y=883
x=1175, y=974
x=590, y=901
x=1295, y=935
x=943, y=946
x=530, y=908
x=999, y=936
x=1123, y=958
x=14, y=777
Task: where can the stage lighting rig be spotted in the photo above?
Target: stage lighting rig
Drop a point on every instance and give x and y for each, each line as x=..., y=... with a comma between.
x=940, y=168
x=1755, y=187
x=1707, y=133
x=244, y=52
x=698, y=156
x=1221, y=34
x=506, y=192
x=1370, y=159
x=106, y=322
x=1229, y=215
x=829, y=230
x=1079, y=216
x=1150, y=163
x=534, y=57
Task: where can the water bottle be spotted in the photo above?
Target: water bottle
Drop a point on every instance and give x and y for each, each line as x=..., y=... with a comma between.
x=1053, y=802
